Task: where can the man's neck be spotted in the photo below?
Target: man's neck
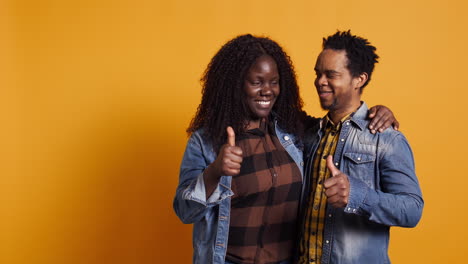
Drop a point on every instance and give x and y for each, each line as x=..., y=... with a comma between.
x=337, y=115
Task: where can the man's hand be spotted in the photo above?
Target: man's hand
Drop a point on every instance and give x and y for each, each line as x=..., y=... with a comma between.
x=337, y=186
x=382, y=118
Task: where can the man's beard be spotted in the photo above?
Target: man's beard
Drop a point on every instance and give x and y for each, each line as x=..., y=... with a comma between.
x=330, y=106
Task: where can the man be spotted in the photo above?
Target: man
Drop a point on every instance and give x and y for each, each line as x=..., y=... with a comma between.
x=360, y=183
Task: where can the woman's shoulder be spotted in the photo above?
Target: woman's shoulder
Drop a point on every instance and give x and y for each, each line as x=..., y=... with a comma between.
x=200, y=137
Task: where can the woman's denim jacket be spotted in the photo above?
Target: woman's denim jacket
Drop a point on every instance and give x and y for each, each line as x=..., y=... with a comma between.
x=384, y=191
x=211, y=216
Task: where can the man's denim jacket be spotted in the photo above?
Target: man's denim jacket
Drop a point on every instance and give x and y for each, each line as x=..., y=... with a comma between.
x=384, y=191
x=211, y=216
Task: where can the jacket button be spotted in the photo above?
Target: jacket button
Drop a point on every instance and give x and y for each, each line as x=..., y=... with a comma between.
x=286, y=138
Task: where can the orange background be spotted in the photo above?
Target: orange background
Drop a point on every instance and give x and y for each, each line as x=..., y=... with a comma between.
x=95, y=97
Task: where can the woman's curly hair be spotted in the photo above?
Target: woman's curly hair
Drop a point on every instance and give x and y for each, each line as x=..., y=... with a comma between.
x=223, y=97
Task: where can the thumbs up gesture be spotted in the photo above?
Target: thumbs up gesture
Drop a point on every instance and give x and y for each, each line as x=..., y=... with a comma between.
x=337, y=186
x=229, y=158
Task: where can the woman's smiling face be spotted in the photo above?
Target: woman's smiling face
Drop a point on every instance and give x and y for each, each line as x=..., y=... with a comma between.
x=262, y=87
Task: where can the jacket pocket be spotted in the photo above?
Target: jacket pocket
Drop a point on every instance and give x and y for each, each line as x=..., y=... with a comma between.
x=360, y=165
x=360, y=158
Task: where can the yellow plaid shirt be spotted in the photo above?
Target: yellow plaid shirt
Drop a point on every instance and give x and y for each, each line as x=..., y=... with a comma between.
x=311, y=243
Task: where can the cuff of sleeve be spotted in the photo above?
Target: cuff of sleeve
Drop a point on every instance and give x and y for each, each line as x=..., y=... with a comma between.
x=371, y=199
x=198, y=193
x=357, y=194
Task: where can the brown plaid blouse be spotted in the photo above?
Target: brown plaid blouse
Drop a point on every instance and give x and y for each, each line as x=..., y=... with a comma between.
x=265, y=203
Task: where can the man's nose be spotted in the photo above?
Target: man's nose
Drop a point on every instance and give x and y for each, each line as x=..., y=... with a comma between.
x=322, y=80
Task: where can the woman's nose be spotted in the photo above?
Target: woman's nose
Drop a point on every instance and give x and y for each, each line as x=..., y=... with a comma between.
x=266, y=89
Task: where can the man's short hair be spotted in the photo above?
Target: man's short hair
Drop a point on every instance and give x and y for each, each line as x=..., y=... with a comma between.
x=360, y=53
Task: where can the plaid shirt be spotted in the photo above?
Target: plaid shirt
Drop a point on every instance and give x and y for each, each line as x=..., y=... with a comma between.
x=311, y=243
x=265, y=203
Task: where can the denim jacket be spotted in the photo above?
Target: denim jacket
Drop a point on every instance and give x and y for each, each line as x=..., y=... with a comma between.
x=384, y=191
x=211, y=216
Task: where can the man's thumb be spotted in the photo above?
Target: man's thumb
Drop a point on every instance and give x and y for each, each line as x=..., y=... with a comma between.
x=231, y=136
x=333, y=169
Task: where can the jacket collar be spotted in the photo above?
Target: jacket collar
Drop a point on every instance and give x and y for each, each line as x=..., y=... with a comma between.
x=359, y=117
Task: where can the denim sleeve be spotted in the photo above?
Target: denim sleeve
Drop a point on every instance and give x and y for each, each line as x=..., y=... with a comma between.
x=190, y=203
x=399, y=201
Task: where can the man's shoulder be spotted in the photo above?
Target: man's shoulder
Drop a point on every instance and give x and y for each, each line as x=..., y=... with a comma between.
x=360, y=119
x=383, y=139
x=388, y=133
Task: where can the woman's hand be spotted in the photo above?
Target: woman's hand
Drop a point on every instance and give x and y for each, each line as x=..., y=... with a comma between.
x=228, y=163
x=381, y=118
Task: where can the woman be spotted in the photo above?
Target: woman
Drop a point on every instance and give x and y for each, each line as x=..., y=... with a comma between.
x=241, y=174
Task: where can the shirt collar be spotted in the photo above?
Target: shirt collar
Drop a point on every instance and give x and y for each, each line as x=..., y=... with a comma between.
x=328, y=122
x=358, y=117
x=264, y=127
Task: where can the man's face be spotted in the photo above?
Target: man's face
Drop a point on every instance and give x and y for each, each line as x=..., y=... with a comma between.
x=337, y=89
